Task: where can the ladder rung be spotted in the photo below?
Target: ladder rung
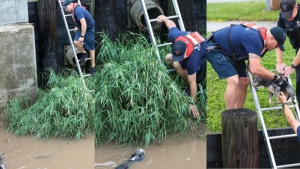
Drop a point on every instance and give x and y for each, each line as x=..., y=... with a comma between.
x=165, y=44
x=87, y=59
x=68, y=15
x=288, y=165
x=282, y=136
x=275, y=108
x=92, y=91
x=169, y=17
x=71, y=30
x=171, y=70
x=86, y=75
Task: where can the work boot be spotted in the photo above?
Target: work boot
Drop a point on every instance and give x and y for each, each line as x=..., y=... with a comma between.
x=92, y=70
x=82, y=57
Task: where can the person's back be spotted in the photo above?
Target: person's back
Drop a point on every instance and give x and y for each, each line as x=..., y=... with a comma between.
x=80, y=13
x=243, y=39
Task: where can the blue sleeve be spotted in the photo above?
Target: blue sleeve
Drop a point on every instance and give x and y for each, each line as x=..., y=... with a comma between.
x=79, y=14
x=174, y=33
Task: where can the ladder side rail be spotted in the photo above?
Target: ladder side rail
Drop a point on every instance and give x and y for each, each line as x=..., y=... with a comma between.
x=295, y=102
x=177, y=11
x=150, y=30
x=262, y=123
x=71, y=43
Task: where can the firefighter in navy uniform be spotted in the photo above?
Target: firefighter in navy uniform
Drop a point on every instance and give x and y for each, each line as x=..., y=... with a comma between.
x=228, y=49
x=187, y=57
x=289, y=20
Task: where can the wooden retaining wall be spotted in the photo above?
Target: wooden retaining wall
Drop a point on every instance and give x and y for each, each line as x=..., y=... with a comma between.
x=111, y=18
x=286, y=151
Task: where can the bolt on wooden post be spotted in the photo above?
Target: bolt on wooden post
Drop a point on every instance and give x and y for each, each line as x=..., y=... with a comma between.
x=239, y=139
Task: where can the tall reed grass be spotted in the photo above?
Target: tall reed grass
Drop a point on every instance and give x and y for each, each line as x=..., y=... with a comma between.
x=137, y=101
x=64, y=109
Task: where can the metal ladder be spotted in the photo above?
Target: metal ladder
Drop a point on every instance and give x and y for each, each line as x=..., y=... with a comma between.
x=148, y=21
x=71, y=42
x=267, y=138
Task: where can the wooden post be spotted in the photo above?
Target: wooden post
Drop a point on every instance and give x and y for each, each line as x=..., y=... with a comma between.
x=48, y=35
x=239, y=139
x=275, y=5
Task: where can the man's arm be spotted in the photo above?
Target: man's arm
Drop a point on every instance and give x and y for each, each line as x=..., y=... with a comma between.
x=162, y=18
x=290, y=118
x=83, y=26
x=280, y=65
x=193, y=86
x=255, y=67
x=193, y=92
x=295, y=62
x=288, y=113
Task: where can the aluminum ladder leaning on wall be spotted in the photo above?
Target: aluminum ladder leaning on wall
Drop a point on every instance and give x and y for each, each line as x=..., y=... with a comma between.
x=267, y=138
x=71, y=42
x=150, y=30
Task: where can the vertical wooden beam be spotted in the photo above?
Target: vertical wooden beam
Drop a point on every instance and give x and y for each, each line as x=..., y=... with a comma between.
x=186, y=9
x=48, y=36
x=239, y=139
x=105, y=18
x=199, y=16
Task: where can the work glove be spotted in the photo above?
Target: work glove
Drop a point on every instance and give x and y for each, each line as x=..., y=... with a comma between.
x=282, y=83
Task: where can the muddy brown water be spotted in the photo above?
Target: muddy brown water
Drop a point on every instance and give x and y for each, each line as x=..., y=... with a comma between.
x=173, y=153
x=30, y=153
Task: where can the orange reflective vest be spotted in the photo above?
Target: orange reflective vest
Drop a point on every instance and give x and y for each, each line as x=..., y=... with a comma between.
x=191, y=40
x=262, y=31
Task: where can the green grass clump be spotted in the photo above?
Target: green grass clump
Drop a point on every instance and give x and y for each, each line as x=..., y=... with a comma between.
x=216, y=90
x=240, y=11
x=64, y=109
x=136, y=100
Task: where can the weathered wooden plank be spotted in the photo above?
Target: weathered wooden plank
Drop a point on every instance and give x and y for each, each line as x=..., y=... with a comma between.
x=239, y=139
x=48, y=38
x=105, y=14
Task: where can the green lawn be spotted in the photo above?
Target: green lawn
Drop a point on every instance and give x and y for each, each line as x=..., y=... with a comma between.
x=216, y=89
x=240, y=11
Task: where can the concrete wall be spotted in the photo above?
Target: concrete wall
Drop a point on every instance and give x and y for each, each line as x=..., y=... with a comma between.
x=13, y=11
x=18, y=62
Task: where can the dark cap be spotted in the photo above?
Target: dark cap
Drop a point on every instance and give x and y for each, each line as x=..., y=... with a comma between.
x=66, y=3
x=287, y=7
x=279, y=35
x=178, y=50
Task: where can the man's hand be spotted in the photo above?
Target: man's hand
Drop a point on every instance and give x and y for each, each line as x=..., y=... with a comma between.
x=281, y=97
x=81, y=39
x=280, y=68
x=161, y=18
x=281, y=83
x=194, y=110
x=76, y=29
x=288, y=71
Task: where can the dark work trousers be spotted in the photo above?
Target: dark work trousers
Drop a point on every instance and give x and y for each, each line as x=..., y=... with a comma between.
x=298, y=81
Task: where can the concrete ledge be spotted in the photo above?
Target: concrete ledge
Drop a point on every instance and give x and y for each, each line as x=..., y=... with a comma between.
x=13, y=11
x=18, y=62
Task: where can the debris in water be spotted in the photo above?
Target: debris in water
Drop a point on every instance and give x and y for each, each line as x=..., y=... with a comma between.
x=139, y=155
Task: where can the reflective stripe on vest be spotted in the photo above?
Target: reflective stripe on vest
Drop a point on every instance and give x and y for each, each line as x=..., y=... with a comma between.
x=191, y=40
x=195, y=38
x=262, y=31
